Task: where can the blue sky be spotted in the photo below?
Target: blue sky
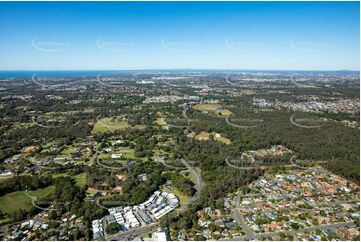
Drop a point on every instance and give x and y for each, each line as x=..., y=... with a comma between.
x=168, y=35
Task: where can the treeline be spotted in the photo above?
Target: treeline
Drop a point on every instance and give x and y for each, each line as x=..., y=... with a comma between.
x=136, y=190
x=340, y=116
x=17, y=129
x=332, y=141
x=183, y=184
x=349, y=170
x=14, y=140
x=219, y=179
x=100, y=177
x=68, y=197
x=24, y=182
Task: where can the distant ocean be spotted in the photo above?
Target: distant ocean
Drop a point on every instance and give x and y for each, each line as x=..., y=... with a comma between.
x=28, y=74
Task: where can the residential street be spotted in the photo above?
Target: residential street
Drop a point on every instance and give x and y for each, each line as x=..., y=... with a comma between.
x=273, y=234
x=239, y=217
x=321, y=227
x=250, y=235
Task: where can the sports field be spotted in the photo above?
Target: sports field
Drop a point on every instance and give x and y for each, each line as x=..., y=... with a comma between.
x=15, y=201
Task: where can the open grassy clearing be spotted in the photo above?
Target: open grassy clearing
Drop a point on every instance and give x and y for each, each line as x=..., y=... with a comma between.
x=223, y=140
x=224, y=112
x=160, y=122
x=69, y=150
x=159, y=152
x=19, y=125
x=183, y=199
x=86, y=110
x=15, y=201
x=216, y=108
x=207, y=106
x=126, y=153
x=106, y=124
x=107, y=159
x=186, y=173
x=80, y=179
x=58, y=175
x=61, y=113
x=204, y=136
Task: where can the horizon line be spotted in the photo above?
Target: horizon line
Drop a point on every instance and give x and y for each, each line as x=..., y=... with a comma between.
x=184, y=69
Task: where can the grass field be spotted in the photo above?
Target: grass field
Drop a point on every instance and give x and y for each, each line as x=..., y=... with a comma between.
x=80, y=179
x=224, y=112
x=68, y=150
x=217, y=108
x=207, y=106
x=157, y=152
x=126, y=153
x=105, y=125
x=160, y=122
x=72, y=112
x=183, y=199
x=204, y=136
x=62, y=113
x=59, y=175
x=223, y=139
x=19, y=200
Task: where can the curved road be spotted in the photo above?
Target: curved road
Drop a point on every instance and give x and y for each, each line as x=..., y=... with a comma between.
x=49, y=126
x=239, y=126
x=173, y=167
x=197, y=176
x=303, y=167
x=303, y=126
x=147, y=228
x=177, y=126
x=184, y=114
x=239, y=167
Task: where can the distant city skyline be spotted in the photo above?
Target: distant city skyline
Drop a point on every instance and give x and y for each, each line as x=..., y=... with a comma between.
x=180, y=35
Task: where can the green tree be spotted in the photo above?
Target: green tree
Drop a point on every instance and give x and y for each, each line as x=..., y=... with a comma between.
x=112, y=228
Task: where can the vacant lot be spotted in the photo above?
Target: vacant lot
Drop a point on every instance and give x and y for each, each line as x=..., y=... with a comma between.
x=126, y=152
x=224, y=112
x=80, y=179
x=204, y=136
x=217, y=108
x=160, y=122
x=106, y=124
x=207, y=106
